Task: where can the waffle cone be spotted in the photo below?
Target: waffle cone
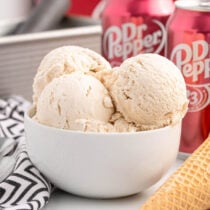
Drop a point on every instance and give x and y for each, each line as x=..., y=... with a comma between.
x=189, y=187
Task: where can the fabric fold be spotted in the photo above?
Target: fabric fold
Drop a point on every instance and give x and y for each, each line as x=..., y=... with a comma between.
x=23, y=187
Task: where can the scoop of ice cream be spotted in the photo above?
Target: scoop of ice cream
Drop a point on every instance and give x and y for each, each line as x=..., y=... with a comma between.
x=65, y=60
x=71, y=97
x=92, y=126
x=148, y=90
x=116, y=124
x=121, y=125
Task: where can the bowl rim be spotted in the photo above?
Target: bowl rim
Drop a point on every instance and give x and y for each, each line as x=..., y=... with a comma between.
x=31, y=111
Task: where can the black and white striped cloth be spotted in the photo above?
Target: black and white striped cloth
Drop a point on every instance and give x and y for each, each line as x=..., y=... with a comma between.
x=24, y=187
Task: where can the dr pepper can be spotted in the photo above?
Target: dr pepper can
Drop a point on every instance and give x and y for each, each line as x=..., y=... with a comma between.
x=130, y=27
x=188, y=46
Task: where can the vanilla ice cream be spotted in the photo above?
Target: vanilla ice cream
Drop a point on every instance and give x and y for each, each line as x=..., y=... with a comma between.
x=75, y=88
x=90, y=125
x=148, y=90
x=64, y=60
x=116, y=124
x=71, y=97
x=121, y=125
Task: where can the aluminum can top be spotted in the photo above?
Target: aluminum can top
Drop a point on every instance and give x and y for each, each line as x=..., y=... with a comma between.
x=193, y=5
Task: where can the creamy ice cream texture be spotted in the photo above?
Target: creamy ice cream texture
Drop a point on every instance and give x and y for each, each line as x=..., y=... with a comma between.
x=76, y=89
x=71, y=97
x=148, y=90
x=64, y=60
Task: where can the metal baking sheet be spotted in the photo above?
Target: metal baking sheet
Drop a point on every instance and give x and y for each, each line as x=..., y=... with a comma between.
x=20, y=55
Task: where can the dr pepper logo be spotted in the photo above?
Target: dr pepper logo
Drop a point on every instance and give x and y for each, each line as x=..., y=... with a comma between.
x=194, y=62
x=131, y=38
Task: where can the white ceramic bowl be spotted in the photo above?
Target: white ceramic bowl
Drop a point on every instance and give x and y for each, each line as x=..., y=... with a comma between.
x=101, y=165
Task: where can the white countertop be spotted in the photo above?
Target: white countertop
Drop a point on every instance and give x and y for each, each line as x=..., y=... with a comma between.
x=63, y=201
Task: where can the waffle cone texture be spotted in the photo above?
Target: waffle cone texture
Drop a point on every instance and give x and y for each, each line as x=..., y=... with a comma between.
x=189, y=187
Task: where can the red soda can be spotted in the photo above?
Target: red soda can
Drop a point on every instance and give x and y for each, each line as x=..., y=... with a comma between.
x=130, y=27
x=188, y=41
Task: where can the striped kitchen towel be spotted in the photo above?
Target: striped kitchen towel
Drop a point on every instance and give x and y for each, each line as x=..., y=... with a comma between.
x=22, y=186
